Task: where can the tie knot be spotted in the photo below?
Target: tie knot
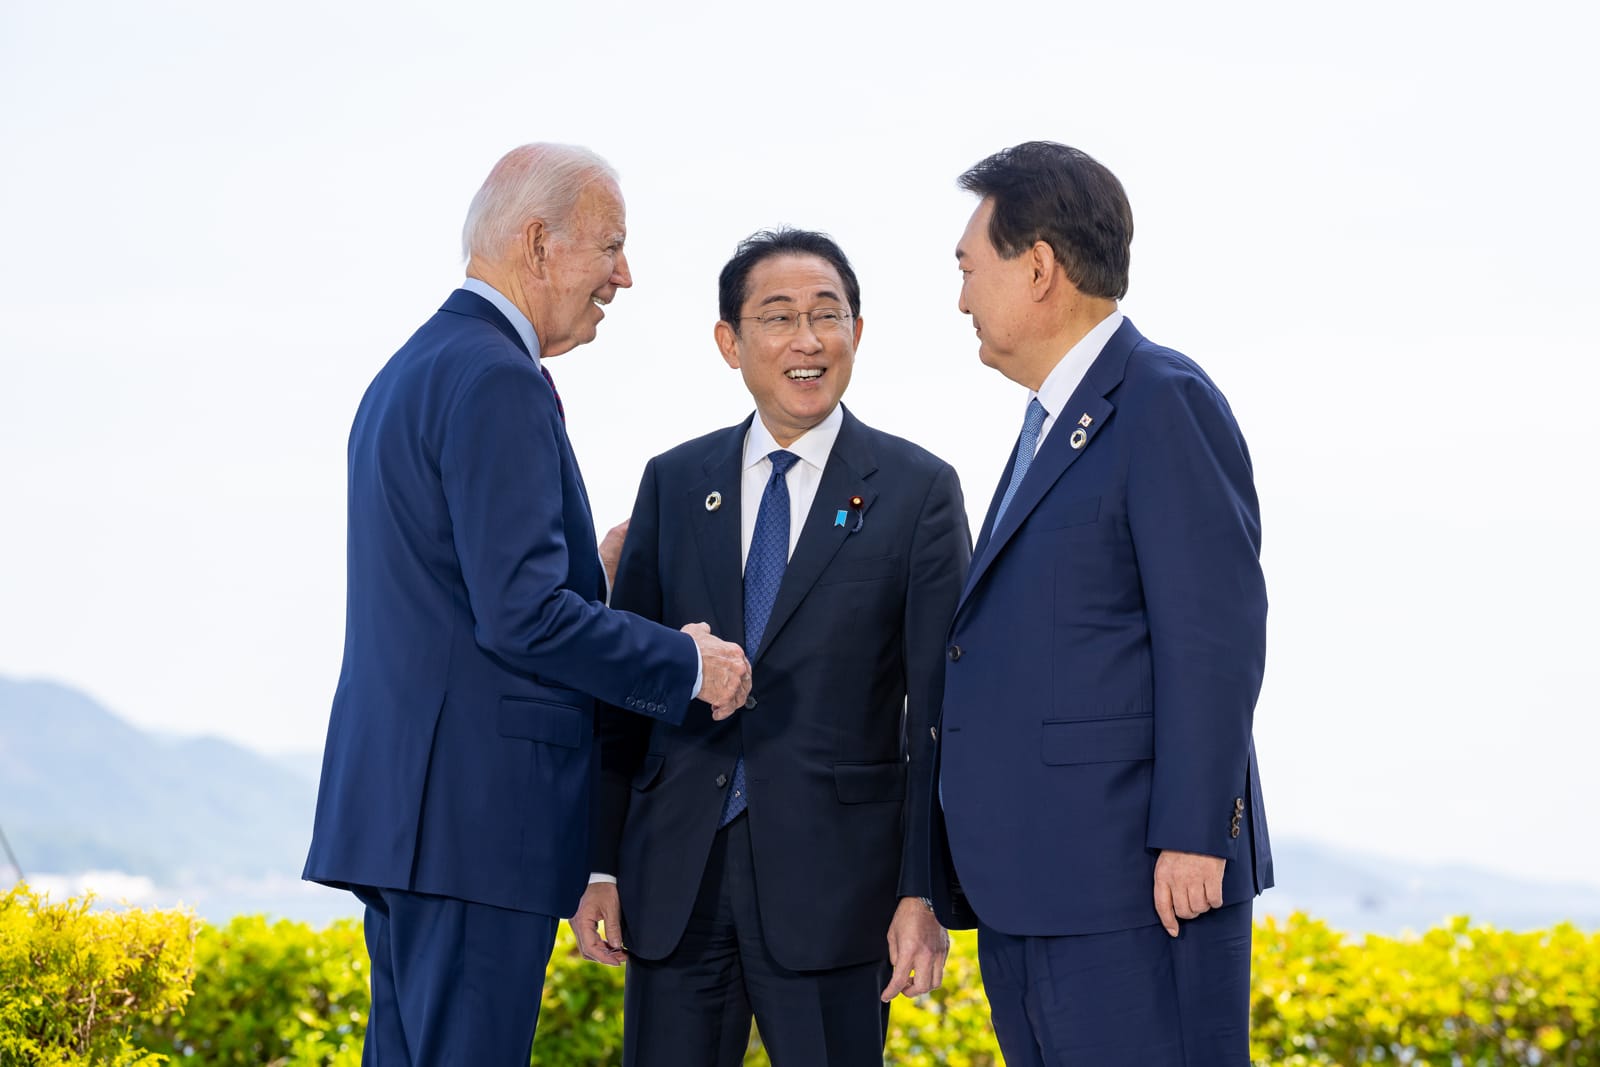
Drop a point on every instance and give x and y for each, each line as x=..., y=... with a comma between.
x=782, y=461
x=1033, y=421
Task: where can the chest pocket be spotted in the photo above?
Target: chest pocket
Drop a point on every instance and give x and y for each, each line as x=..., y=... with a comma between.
x=860, y=570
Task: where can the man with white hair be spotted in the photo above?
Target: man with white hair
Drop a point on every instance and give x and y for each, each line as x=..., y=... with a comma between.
x=455, y=786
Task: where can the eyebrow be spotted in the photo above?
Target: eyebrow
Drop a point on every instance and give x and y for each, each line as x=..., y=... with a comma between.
x=781, y=298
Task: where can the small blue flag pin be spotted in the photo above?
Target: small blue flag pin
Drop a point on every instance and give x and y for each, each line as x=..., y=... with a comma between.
x=838, y=520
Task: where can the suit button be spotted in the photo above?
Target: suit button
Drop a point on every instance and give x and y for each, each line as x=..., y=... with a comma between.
x=955, y=653
x=722, y=781
x=1238, y=805
x=933, y=731
x=1233, y=831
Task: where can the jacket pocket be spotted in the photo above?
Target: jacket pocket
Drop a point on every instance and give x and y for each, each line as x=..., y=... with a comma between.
x=870, y=783
x=1117, y=740
x=860, y=570
x=1080, y=512
x=650, y=770
x=540, y=720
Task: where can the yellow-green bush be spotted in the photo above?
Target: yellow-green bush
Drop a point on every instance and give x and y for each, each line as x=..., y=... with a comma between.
x=274, y=994
x=1468, y=996
x=75, y=984
x=78, y=987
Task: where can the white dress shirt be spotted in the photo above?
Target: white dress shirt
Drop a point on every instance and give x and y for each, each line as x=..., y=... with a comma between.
x=813, y=447
x=1067, y=375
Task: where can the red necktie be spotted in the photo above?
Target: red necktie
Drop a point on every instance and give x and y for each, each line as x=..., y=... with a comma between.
x=559, y=409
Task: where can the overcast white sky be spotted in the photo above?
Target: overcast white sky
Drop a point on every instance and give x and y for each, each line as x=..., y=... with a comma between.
x=1374, y=224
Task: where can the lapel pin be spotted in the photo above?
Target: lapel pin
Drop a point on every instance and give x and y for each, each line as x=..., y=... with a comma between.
x=1085, y=419
x=1078, y=438
x=838, y=520
x=861, y=513
x=713, y=502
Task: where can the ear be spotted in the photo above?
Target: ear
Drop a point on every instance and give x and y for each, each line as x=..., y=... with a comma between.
x=536, y=247
x=728, y=344
x=857, y=342
x=1043, y=270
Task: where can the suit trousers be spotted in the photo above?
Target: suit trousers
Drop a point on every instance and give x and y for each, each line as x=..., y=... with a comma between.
x=1129, y=998
x=693, y=1009
x=452, y=982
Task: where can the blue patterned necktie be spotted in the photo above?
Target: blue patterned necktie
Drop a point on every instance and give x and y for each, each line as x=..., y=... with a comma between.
x=1027, y=445
x=763, y=573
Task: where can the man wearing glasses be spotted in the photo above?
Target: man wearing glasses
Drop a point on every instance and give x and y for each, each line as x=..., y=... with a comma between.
x=774, y=865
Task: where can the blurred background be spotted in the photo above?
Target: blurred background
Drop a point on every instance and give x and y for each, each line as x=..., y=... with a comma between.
x=1373, y=224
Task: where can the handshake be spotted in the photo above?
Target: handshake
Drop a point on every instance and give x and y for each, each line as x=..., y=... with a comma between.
x=724, y=672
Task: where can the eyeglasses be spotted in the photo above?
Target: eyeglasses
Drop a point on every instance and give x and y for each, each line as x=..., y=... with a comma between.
x=784, y=323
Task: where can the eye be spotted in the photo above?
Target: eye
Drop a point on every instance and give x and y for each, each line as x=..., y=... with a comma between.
x=826, y=317
x=780, y=320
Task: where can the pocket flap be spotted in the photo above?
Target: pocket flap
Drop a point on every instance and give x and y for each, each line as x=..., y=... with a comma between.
x=869, y=783
x=540, y=720
x=1131, y=737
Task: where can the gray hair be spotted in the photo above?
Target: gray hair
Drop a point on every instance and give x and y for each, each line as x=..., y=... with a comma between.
x=535, y=181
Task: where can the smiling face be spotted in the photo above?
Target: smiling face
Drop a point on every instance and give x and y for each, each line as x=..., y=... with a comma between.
x=584, y=266
x=796, y=377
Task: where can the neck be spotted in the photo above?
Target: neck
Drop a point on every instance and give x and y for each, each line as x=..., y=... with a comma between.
x=508, y=284
x=1071, y=326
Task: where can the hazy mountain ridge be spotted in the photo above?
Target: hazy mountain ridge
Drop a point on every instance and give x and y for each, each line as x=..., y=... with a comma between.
x=81, y=789
x=210, y=823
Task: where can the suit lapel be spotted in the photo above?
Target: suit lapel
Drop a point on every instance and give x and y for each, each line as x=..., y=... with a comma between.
x=716, y=532
x=1057, y=454
x=845, y=476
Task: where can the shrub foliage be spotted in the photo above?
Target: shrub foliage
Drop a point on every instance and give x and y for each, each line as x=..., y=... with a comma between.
x=77, y=984
x=138, y=989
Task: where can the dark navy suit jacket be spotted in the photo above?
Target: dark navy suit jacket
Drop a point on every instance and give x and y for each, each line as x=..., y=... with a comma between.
x=847, y=682
x=1104, y=663
x=460, y=746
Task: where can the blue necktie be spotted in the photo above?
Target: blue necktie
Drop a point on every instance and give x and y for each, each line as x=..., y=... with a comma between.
x=1027, y=445
x=763, y=573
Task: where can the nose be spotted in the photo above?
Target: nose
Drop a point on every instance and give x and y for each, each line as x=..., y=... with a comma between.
x=961, y=300
x=622, y=277
x=805, y=338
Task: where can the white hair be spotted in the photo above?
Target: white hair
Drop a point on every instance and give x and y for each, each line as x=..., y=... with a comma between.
x=534, y=181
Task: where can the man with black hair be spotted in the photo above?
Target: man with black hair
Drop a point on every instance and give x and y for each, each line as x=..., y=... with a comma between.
x=775, y=865
x=1099, y=815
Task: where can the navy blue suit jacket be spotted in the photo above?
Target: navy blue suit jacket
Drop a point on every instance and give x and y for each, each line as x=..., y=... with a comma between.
x=460, y=745
x=1105, y=661
x=847, y=682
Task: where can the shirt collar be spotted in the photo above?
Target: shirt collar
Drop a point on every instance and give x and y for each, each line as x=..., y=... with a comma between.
x=1063, y=379
x=813, y=447
x=513, y=314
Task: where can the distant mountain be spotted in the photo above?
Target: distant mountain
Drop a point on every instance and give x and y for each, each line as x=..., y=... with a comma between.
x=1360, y=892
x=82, y=790
x=211, y=824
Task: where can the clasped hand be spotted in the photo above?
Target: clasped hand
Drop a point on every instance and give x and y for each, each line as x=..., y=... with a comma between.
x=724, y=671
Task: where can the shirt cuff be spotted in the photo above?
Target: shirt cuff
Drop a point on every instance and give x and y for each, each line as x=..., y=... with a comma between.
x=699, y=670
x=607, y=879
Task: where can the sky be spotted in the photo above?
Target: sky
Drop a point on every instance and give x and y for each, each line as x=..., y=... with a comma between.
x=1372, y=223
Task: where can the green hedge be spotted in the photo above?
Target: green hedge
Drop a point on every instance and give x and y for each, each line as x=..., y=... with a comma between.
x=132, y=988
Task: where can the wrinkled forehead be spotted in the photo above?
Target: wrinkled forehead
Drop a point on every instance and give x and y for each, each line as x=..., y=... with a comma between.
x=600, y=209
